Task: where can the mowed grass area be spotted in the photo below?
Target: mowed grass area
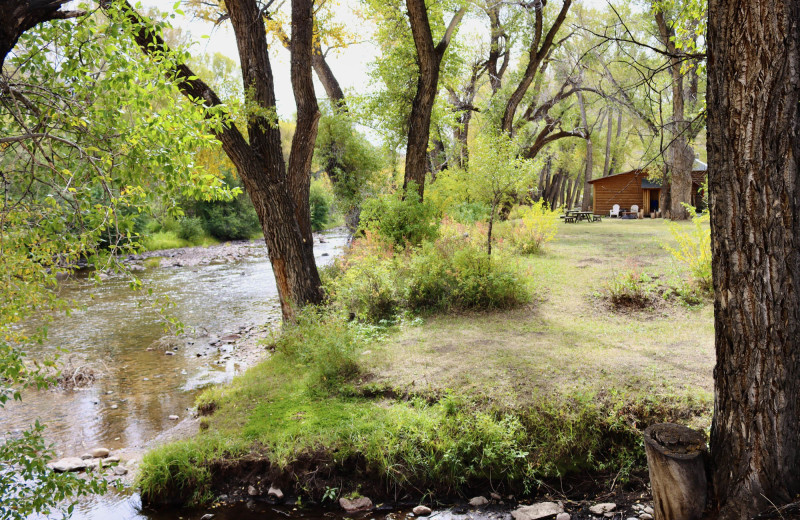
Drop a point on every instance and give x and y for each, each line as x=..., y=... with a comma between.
x=571, y=338
x=463, y=402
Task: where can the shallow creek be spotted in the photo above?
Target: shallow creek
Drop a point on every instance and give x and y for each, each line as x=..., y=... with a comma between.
x=120, y=334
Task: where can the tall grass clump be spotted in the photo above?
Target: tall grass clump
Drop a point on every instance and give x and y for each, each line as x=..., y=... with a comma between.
x=694, y=248
x=536, y=226
x=325, y=345
x=376, y=282
x=630, y=288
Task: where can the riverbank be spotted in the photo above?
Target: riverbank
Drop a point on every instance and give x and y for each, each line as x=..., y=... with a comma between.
x=452, y=405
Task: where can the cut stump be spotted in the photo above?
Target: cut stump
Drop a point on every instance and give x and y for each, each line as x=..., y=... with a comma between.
x=676, y=460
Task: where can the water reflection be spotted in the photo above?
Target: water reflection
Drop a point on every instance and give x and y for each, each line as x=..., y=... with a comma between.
x=139, y=389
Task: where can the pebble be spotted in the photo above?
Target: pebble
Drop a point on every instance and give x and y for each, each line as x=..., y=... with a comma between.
x=208, y=516
x=68, y=464
x=536, y=511
x=478, y=501
x=605, y=507
x=356, y=505
x=495, y=496
x=100, y=453
x=119, y=471
x=645, y=516
x=648, y=510
x=422, y=510
x=562, y=516
x=173, y=417
x=252, y=491
x=169, y=353
x=86, y=456
x=114, y=406
x=275, y=493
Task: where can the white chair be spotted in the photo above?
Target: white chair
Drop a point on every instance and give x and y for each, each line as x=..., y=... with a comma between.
x=635, y=211
x=614, y=212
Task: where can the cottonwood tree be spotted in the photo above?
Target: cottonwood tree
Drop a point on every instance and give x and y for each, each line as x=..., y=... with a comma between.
x=429, y=59
x=753, y=150
x=279, y=191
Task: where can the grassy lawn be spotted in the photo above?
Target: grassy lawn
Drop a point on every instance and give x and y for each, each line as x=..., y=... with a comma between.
x=571, y=338
x=455, y=402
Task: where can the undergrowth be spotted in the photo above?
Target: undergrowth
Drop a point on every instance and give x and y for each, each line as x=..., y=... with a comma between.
x=305, y=404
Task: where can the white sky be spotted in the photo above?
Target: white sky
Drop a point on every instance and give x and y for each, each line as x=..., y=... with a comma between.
x=350, y=67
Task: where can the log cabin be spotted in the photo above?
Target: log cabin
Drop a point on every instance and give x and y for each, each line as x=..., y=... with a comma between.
x=634, y=188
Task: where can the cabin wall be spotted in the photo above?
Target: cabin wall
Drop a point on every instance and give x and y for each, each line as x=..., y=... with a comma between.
x=625, y=190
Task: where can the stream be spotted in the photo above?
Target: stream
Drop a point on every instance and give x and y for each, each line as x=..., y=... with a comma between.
x=147, y=375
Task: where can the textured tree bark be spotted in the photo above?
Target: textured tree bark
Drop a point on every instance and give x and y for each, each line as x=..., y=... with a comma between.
x=429, y=58
x=260, y=162
x=679, y=153
x=609, y=132
x=753, y=149
x=587, y=174
x=675, y=459
x=17, y=16
x=308, y=116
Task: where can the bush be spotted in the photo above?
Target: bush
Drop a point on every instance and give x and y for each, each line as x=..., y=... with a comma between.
x=630, y=289
x=537, y=225
x=453, y=273
x=400, y=221
x=320, y=201
x=374, y=283
x=234, y=219
x=470, y=212
x=324, y=343
x=694, y=249
x=190, y=229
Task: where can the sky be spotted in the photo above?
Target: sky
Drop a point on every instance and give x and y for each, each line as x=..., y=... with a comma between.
x=350, y=66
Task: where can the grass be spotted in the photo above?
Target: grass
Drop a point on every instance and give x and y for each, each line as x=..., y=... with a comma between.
x=170, y=240
x=497, y=398
x=572, y=339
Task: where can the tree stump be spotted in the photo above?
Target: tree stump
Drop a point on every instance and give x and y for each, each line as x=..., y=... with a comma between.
x=675, y=458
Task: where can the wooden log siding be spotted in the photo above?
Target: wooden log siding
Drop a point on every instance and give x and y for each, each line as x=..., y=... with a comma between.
x=624, y=189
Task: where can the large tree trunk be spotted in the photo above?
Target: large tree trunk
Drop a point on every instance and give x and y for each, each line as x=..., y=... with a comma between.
x=305, y=135
x=609, y=132
x=753, y=148
x=587, y=174
x=260, y=162
x=679, y=154
x=429, y=58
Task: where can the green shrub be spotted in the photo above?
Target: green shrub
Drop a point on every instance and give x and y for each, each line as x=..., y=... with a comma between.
x=375, y=283
x=190, y=229
x=371, y=289
x=320, y=201
x=630, y=289
x=470, y=212
x=400, y=221
x=537, y=225
x=234, y=219
x=694, y=249
x=456, y=274
x=325, y=344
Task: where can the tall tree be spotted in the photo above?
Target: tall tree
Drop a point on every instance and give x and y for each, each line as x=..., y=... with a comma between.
x=279, y=196
x=753, y=150
x=429, y=59
x=680, y=155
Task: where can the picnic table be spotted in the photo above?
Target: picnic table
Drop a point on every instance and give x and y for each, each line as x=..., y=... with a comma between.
x=577, y=215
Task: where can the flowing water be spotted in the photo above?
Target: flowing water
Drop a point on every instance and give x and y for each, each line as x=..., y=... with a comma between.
x=120, y=334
